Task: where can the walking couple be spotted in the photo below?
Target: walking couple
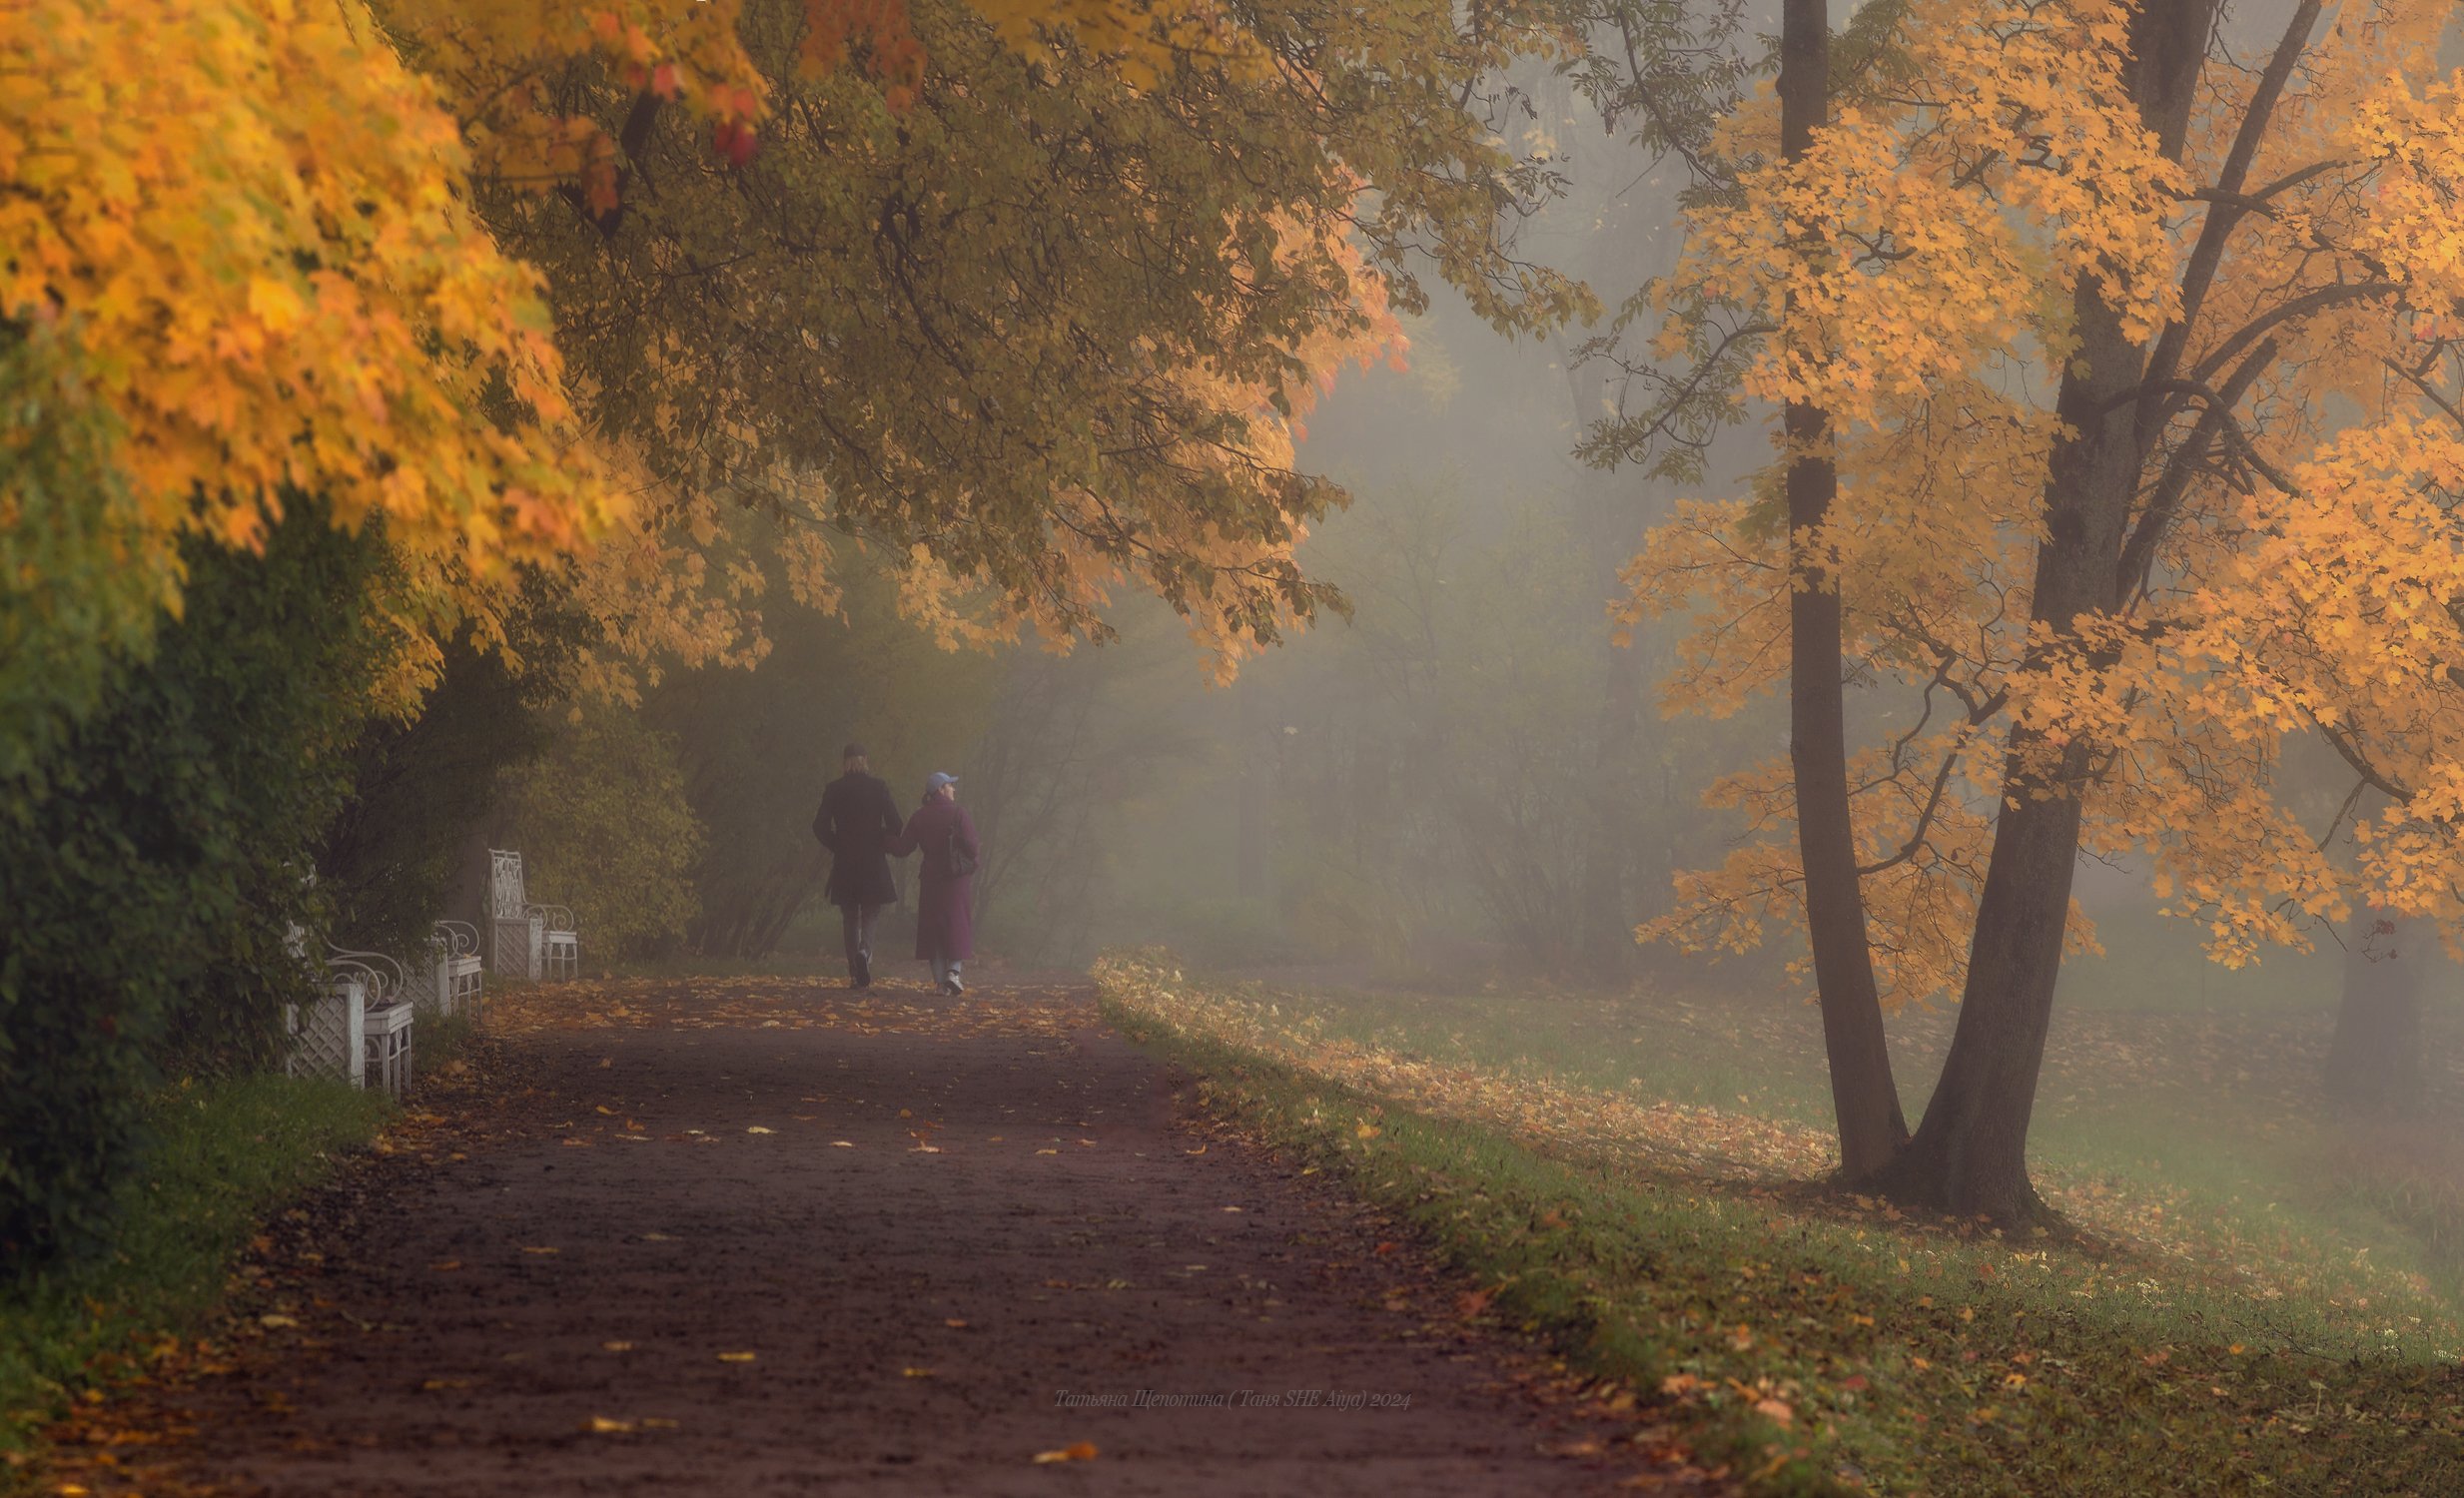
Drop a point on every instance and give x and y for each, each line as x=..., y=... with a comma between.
x=859, y=824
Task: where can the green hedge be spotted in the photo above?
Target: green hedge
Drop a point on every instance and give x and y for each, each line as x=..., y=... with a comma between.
x=153, y=858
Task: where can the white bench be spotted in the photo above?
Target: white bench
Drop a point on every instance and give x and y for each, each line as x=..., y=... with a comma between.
x=459, y=979
x=536, y=941
x=385, y=1018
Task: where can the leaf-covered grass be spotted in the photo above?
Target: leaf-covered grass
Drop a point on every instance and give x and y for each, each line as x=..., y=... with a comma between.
x=2201, y=1132
x=222, y=1156
x=1815, y=1343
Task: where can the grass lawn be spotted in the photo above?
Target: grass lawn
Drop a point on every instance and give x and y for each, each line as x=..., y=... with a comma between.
x=224, y=1154
x=2237, y=1305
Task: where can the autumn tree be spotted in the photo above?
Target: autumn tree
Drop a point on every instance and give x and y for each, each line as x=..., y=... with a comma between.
x=225, y=289
x=279, y=415
x=2142, y=374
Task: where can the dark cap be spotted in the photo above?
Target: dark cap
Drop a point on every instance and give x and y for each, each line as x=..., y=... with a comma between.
x=851, y=751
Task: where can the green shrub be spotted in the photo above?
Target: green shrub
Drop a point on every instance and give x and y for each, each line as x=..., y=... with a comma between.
x=421, y=793
x=153, y=859
x=86, y=579
x=602, y=825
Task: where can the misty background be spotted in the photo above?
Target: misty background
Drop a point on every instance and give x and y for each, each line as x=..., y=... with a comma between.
x=1464, y=781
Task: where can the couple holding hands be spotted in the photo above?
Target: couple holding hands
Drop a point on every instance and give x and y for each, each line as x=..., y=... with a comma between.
x=860, y=825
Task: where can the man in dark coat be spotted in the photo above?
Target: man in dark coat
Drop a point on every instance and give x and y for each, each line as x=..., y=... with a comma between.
x=858, y=822
x=946, y=888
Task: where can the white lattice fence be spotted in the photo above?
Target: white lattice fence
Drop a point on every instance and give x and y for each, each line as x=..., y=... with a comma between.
x=329, y=1035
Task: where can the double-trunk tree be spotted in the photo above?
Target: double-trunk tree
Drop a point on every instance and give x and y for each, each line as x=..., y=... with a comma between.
x=1970, y=1154
x=2140, y=369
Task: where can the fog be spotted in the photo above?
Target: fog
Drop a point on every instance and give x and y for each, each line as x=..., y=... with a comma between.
x=1463, y=779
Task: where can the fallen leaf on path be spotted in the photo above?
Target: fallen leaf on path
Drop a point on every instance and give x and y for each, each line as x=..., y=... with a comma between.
x=1048, y=1151
x=602, y=1426
x=445, y=1266
x=915, y=1373
x=527, y=1249
x=1231, y=1209
x=1081, y=1451
x=842, y=1143
x=653, y=1422
x=432, y=1385
x=737, y=1358
x=756, y=1129
x=656, y=1237
x=1777, y=1409
x=275, y=1321
x=616, y=1346
x=954, y=1323
x=1200, y=1149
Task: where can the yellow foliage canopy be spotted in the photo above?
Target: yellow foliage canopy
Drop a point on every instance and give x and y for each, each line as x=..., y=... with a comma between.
x=1031, y=333
x=278, y=285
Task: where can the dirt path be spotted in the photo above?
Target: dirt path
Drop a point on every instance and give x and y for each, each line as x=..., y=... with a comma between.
x=773, y=1239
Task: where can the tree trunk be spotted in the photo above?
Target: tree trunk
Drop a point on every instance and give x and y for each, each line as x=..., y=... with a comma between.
x=1970, y=1154
x=2374, y=1062
x=1864, y=1098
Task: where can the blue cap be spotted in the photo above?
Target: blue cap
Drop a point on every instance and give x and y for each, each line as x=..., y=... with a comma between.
x=937, y=780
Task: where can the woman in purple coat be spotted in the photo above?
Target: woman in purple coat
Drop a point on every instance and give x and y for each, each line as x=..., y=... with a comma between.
x=942, y=831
